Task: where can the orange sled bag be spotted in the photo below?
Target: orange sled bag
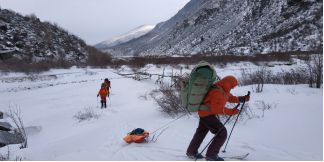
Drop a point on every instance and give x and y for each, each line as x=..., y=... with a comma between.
x=138, y=135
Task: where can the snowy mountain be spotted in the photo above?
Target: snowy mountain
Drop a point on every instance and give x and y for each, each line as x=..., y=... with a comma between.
x=234, y=27
x=29, y=39
x=137, y=32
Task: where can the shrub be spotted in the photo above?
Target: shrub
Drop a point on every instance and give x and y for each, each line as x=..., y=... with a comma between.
x=8, y=157
x=263, y=76
x=14, y=65
x=15, y=115
x=315, y=69
x=32, y=17
x=263, y=106
x=141, y=61
x=86, y=114
x=168, y=99
x=257, y=78
x=97, y=58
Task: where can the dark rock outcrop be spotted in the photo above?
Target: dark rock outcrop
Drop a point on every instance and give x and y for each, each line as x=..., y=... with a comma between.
x=7, y=138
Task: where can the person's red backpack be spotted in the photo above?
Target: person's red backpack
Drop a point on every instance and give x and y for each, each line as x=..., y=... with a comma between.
x=107, y=82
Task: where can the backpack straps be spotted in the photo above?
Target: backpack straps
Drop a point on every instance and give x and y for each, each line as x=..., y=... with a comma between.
x=213, y=87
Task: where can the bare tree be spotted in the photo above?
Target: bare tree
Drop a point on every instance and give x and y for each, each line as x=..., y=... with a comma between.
x=14, y=114
x=315, y=69
x=257, y=78
x=318, y=69
x=310, y=70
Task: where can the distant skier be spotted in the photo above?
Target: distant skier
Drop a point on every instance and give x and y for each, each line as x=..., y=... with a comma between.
x=216, y=99
x=103, y=92
x=108, y=85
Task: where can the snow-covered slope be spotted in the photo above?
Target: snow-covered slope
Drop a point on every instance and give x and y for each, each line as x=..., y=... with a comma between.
x=234, y=27
x=135, y=33
x=28, y=39
x=291, y=130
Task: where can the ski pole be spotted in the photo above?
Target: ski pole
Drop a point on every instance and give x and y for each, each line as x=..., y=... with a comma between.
x=227, y=120
x=236, y=121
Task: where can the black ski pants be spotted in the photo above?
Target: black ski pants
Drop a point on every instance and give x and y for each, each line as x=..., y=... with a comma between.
x=206, y=124
x=103, y=104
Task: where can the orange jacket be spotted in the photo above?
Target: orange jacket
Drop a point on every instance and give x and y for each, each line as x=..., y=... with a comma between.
x=103, y=92
x=217, y=98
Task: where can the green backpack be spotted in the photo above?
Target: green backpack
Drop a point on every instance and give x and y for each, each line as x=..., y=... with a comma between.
x=197, y=85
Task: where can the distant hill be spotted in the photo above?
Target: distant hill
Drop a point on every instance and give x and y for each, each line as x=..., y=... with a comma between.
x=27, y=38
x=135, y=33
x=239, y=27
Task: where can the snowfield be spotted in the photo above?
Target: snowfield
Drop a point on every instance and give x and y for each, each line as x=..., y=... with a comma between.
x=291, y=130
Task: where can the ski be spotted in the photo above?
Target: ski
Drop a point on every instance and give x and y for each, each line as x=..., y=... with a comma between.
x=234, y=157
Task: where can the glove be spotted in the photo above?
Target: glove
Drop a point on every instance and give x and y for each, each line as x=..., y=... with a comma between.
x=244, y=98
x=235, y=111
x=97, y=95
x=231, y=111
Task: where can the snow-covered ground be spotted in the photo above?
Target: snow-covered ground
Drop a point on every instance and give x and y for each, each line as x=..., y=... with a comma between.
x=291, y=130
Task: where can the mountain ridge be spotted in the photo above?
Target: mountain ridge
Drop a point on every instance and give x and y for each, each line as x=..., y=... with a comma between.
x=133, y=34
x=236, y=27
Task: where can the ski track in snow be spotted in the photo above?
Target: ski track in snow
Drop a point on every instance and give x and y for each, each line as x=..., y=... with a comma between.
x=54, y=134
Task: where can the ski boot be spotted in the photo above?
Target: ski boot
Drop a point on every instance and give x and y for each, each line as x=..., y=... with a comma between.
x=195, y=156
x=214, y=158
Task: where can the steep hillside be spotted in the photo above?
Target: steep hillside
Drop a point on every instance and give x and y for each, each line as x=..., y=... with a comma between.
x=27, y=38
x=135, y=33
x=234, y=27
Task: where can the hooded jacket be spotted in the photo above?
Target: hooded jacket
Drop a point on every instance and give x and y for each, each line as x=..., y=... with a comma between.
x=103, y=93
x=217, y=97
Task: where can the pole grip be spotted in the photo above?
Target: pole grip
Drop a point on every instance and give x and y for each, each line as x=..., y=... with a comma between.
x=235, y=122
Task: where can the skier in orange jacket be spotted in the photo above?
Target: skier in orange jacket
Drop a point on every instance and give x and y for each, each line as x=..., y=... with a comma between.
x=215, y=100
x=103, y=92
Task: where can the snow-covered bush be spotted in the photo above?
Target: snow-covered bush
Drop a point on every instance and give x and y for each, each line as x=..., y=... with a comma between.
x=14, y=64
x=14, y=114
x=86, y=114
x=257, y=78
x=8, y=157
x=263, y=106
x=291, y=90
x=315, y=69
x=294, y=76
x=168, y=99
x=144, y=96
x=89, y=72
x=5, y=157
x=263, y=76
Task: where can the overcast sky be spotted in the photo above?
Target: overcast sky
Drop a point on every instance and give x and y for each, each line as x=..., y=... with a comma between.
x=98, y=20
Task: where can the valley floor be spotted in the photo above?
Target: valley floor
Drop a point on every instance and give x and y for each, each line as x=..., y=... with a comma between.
x=291, y=130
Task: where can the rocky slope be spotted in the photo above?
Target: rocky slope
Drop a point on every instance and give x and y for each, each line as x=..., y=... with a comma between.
x=234, y=27
x=27, y=38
